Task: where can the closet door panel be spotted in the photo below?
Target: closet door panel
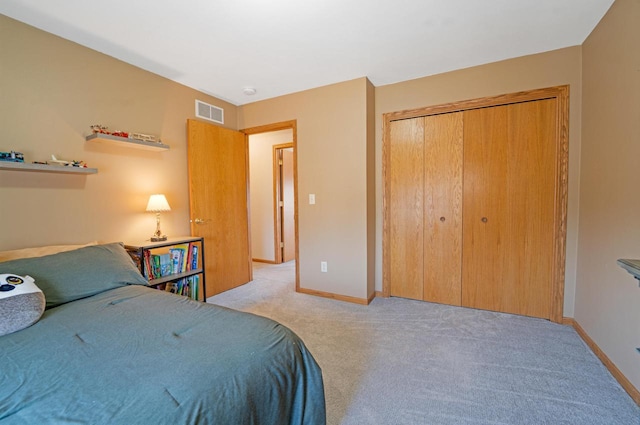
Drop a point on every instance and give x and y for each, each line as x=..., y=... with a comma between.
x=532, y=127
x=485, y=256
x=509, y=204
x=406, y=212
x=443, y=208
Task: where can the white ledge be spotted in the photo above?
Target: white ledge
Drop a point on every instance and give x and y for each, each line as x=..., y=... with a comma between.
x=632, y=266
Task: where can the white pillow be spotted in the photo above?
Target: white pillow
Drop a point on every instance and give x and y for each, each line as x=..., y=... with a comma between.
x=21, y=303
x=39, y=251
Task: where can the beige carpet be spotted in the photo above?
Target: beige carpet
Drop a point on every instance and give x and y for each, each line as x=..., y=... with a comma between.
x=399, y=361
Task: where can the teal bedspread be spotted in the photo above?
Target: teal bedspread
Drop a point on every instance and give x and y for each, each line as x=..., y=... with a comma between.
x=135, y=355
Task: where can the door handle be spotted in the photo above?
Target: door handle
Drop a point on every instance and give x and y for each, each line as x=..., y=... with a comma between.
x=199, y=221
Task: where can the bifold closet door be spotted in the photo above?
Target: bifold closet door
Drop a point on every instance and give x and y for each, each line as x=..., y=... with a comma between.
x=406, y=189
x=426, y=208
x=443, y=208
x=509, y=200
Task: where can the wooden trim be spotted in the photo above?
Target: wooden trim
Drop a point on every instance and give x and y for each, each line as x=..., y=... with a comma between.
x=482, y=102
x=248, y=194
x=617, y=374
x=561, y=93
x=354, y=300
x=284, y=125
x=386, y=196
x=277, y=232
x=259, y=260
x=561, y=202
x=371, y=297
x=379, y=294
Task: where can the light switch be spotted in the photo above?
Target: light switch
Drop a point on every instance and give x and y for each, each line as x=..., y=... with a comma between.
x=312, y=198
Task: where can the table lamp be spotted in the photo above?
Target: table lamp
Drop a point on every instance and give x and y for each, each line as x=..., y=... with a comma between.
x=157, y=204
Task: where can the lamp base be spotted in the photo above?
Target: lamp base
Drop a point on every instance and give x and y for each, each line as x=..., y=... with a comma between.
x=158, y=238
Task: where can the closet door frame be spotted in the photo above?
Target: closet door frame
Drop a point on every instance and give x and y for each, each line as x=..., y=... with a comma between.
x=561, y=95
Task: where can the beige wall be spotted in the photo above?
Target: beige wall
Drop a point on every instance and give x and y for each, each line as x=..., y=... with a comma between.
x=549, y=69
x=51, y=91
x=261, y=191
x=332, y=164
x=607, y=297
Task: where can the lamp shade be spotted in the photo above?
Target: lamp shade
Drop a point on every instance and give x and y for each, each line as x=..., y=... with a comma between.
x=158, y=203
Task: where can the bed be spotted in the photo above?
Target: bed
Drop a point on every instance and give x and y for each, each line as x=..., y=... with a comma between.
x=109, y=350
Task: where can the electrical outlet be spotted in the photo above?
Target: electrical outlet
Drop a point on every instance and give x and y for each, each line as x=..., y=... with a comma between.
x=312, y=199
x=323, y=266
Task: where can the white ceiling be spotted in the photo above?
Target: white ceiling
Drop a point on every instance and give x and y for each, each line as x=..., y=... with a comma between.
x=284, y=46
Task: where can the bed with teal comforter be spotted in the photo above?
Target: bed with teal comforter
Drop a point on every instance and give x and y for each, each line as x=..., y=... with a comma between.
x=130, y=354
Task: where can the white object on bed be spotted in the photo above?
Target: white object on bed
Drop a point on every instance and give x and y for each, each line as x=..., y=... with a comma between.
x=21, y=303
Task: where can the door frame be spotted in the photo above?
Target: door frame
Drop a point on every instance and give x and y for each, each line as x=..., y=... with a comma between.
x=561, y=94
x=285, y=125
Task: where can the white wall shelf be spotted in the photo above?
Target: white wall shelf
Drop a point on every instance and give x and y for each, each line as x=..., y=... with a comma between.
x=632, y=266
x=45, y=168
x=125, y=141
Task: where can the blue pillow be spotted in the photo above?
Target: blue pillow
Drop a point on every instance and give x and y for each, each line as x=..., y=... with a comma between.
x=71, y=275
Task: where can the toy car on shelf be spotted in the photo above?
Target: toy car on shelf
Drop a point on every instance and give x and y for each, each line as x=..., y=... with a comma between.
x=11, y=156
x=103, y=129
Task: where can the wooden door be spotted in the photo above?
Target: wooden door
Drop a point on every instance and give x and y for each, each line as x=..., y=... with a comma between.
x=426, y=208
x=218, y=191
x=443, y=208
x=406, y=208
x=509, y=207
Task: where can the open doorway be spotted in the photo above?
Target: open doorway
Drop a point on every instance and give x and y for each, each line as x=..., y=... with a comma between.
x=284, y=202
x=272, y=189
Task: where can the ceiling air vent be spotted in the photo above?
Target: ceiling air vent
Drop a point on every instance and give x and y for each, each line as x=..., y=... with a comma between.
x=209, y=112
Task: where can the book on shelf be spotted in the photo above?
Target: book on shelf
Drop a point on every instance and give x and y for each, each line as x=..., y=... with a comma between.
x=184, y=257
x=177, y=258
x=155, y=264
x=194, y=256
x=148, y=268
x=170, y=287
x=196, y=287
x=135, y=256
x=165, y=264
x=158, y=265
x=187, y=287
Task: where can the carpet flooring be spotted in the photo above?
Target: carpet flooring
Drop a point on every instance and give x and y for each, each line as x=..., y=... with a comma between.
x=400, y=361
